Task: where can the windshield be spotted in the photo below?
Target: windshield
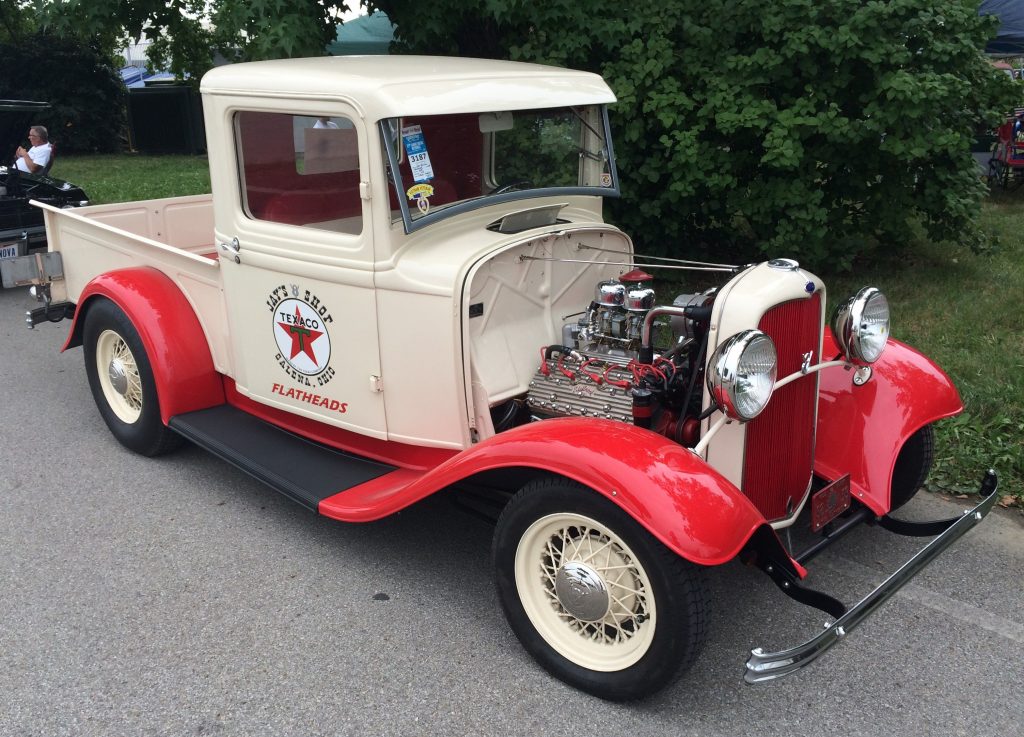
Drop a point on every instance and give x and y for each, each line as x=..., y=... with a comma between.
x=440, y=165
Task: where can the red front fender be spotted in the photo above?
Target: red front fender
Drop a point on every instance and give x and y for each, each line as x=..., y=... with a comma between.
x=675, y=495
x=175, y=342
x=862, y=428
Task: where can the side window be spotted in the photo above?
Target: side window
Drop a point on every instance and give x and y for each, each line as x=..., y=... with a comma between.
x=300, y=170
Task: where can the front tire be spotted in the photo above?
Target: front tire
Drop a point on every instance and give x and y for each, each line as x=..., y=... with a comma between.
x=913, y=465
x=121, y=380
x=594, y=598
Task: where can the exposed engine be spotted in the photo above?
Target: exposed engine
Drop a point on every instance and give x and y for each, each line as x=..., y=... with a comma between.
x=607, y=365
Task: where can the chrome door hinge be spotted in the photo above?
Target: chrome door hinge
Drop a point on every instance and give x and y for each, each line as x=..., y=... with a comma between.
x=232, y=250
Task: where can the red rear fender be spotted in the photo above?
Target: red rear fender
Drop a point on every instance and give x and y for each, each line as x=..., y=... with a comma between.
x=175, y=342
x=861, y=429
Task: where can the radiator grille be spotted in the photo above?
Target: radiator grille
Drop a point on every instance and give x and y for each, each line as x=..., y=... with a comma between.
x=779, y=452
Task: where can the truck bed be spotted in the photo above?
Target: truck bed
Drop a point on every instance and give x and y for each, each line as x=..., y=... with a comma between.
x=173, y=235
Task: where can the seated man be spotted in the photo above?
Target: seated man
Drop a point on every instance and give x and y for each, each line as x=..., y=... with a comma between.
x=36, y=158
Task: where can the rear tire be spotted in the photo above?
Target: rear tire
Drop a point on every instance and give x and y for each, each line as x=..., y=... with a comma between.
x=998, y=174
x=993, y=174
x=912, y=466
x=594, y=597
x=121, y=380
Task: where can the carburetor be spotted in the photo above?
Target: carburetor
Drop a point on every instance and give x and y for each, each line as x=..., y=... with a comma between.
x=614, y=322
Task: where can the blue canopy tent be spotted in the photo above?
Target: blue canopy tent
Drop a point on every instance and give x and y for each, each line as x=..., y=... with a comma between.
x=1009, y=40
x=367, y=34
x=137, y=77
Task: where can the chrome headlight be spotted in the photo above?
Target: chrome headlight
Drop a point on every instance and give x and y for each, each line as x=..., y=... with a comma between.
x=741, y=374
x=860, y=325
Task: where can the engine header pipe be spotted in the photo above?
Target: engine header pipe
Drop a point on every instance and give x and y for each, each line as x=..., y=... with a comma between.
x=691, y=312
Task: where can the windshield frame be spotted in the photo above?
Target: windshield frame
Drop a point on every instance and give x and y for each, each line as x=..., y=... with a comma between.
x=393, y=178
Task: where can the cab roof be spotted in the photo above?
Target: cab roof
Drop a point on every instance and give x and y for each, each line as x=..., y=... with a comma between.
x=392, y=86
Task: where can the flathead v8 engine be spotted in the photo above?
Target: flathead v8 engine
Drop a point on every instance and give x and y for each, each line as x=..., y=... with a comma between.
x=600, y=369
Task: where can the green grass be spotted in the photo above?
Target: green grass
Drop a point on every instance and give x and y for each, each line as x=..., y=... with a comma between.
x=964, y=310
x=123, y=177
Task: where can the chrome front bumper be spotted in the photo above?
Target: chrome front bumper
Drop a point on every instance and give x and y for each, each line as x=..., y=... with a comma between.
x=764, y=666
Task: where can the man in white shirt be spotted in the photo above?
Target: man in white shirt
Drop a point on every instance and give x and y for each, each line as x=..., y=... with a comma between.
x=34, y=159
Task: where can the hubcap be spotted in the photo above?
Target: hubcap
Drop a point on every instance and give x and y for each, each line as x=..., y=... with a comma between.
x=118, y=376
x=581, y=592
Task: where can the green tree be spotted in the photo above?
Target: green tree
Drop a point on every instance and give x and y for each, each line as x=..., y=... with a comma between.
x=186, y=33
x=16, y=20
x=809, y=128
x=85, y=93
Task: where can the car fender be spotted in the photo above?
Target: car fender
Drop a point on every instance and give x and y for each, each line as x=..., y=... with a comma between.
x=170, y=331
x=666, y=488
x=861, y=429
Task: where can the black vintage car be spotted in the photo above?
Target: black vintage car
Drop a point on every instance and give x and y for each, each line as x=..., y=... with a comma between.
x=21, y=225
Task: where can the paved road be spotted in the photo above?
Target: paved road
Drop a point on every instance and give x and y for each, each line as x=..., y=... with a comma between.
x=177, y=597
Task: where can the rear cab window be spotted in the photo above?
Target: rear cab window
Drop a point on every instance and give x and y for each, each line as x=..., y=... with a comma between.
x=300, y=170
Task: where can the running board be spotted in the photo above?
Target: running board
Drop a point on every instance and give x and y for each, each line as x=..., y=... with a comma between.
x=302, y=470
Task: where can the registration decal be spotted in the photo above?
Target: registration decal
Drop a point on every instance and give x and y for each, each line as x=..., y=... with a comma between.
x=416, y=150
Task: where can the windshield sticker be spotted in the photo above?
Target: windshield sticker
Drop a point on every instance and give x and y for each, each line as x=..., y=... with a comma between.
x=417, y=191
x=420, y=194
x=606, y=179
x=416, y=150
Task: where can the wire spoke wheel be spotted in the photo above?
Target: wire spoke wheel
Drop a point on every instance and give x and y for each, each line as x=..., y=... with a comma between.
x=119, y=376
x=121, y=379
x=585, y=592
x=596, y=599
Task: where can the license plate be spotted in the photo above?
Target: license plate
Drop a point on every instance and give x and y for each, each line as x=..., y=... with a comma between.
x=9, y=251
x=830, y=502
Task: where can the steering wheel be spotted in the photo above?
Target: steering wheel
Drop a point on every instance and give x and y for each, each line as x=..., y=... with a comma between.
x=518, y=184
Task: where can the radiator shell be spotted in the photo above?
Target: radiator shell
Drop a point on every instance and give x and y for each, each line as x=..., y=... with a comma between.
x=771, y=457
x=779, y=450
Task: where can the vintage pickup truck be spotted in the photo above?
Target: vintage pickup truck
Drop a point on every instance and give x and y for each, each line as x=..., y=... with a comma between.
x=402, y=284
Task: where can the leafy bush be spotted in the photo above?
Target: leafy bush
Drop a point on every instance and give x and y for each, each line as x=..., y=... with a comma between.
x=806, y=128
x=86, y=94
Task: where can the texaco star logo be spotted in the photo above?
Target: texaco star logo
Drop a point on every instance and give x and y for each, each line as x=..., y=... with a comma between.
x=302, y=337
